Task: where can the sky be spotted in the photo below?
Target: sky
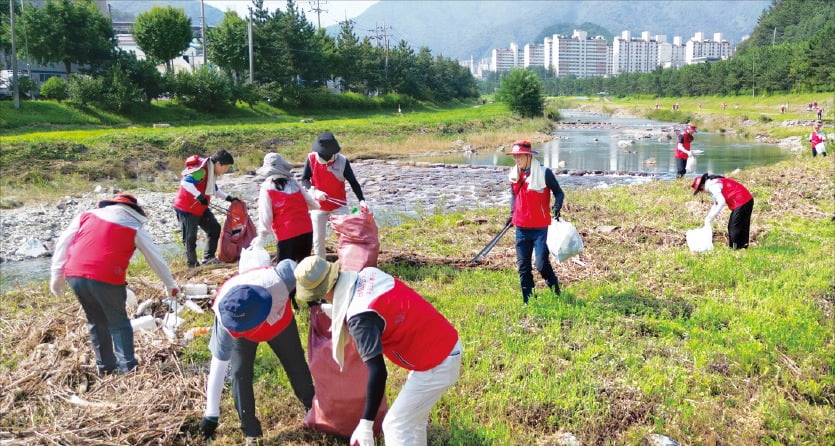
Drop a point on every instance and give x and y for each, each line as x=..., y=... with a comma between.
x=333, y=11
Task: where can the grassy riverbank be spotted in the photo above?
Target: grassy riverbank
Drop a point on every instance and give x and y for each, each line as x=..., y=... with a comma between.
x=57, y=161
x=732, y=347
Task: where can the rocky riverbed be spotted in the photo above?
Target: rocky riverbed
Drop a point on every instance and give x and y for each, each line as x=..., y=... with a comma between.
x=393, y=189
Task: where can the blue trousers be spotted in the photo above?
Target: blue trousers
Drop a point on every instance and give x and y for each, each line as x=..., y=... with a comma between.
x=110, y=331
x=528, y=241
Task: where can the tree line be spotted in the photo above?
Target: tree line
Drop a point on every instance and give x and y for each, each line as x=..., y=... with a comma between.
x=293, y=61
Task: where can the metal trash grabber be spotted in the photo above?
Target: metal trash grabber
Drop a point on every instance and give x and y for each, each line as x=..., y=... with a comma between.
x=337, y=201
x=493, y=242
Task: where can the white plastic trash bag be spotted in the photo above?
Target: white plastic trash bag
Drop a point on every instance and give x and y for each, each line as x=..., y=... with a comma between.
x=563, y=240
x=253, y=256
x=691, y=164
x=700, y=239
x=820, y=147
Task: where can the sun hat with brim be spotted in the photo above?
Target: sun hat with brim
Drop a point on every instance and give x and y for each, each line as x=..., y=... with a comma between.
x=244, y=307
x=522, y=148
x=274, y=164
x=698, y=182
x=326, y=145
x=127, y=199
x=315, y=276
x=692, y=127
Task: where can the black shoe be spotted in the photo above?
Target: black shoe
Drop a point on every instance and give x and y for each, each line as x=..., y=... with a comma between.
x=208, y=426
x=211, y=261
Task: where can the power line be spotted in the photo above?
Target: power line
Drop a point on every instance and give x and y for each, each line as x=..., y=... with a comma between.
x=316, y=7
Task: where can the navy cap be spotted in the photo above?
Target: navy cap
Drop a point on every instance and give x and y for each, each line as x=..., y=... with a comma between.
x=245, y=307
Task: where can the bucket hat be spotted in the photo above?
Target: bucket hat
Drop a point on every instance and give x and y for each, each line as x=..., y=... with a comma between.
x=274, y=164
x=326, y=145
x=315, y=276
x=245, y=307
x=127, y=199
x=522, y=147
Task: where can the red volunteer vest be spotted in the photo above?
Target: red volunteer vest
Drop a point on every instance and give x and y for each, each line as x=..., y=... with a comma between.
x=815, y=139
x=685, y=140
x=265, y=331
x=416, y=335
x=187, y=202
x=101, y=250
x=530, y=208
x=326, y=182
x=290, y=217
x=735, y=194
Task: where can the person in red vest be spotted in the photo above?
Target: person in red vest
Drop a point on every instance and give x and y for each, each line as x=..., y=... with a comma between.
x=251, y=308
x=531, y=187
x=726, y=191
x=325, y=173
x=683, y=149
x=197, y=186
x=816, y=138
x=283, y=206
x=386, y=318
x=93, y=255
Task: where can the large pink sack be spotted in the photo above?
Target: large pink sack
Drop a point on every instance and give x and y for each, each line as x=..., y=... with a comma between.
x=358, y=241
x=340, y=396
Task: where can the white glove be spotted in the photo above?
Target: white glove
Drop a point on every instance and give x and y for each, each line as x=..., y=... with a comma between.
x=707, y=225
x=363, y=434
x=174, y=292
x=57, y=284
x=328, y=309
x=317, y=194
x=364, y=207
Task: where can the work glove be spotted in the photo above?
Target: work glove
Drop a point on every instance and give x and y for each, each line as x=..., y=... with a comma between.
x=230, y=198
x=328, y=309
x=707, y=225
x=317, y=194
x=509, y=220
x=203, y=200
x=57, y=284
x=364, y=207
x=174, y=292
x=208, y=426
x=363, y=434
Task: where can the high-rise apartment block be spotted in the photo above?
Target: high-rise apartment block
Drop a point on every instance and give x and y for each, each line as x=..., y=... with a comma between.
x=698, y=49
x=634, y=55
x=670, y=54
x=580, y=55
x=534, y=55
x=505, y=58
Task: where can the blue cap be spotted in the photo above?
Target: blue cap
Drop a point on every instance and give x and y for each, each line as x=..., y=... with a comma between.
x=245, y=307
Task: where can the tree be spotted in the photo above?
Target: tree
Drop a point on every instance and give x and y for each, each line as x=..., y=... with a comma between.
x=55, y=88
x=227, y=45
x=69, y=32
x=163, y=33
x=522, y=92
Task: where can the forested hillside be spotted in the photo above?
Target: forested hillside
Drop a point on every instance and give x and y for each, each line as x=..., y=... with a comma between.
x=792, y=21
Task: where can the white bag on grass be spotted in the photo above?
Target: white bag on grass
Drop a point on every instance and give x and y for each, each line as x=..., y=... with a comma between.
x=563, y=240
x=253, y=256
x=820, y=147
x=700, y=239
x=691, y=164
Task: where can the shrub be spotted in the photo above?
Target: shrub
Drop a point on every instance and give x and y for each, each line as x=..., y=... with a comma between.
x=205, y=90
x=521, y=90
x=552, y=112
x=85, y=89
x=55, y=88
x=765, y=118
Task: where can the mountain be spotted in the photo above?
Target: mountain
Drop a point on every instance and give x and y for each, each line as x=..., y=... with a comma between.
x=127, y=11
x=460, y=29
x=792, y=21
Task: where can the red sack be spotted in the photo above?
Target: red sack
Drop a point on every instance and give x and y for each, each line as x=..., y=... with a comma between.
x=340, y=396
x=237, y=232
x=358, y=241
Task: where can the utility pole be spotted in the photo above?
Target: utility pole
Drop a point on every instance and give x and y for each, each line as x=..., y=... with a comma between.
x=316, y=6
x=382, y=37
x=16, y=96
x=753, y=77
x=251, y=57
x=203, y=33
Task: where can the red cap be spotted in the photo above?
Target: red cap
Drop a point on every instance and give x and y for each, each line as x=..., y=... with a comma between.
x=127, y=199
x=697, y=183
x=522, y=147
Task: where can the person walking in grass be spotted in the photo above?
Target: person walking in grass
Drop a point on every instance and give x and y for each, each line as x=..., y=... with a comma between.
x=325, y=173
x=251, y=308
x=386, y=318
x=817, y=139
x=92, y=255
x=283, y=206
x=683, y=149
x=726, y=191
x=191, y=204
x=531, y=187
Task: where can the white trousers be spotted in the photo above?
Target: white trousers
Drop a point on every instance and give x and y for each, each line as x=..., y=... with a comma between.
x=319, y=220
x=405, y=422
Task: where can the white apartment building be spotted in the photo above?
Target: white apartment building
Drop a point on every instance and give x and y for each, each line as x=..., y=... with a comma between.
x=580, y=55
x=634, y=55
x=670, y=54
x=698, y=49
x=534, y=55
x=504, y=59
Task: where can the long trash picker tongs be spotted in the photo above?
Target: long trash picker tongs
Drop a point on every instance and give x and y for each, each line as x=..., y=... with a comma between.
x=493, y=242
